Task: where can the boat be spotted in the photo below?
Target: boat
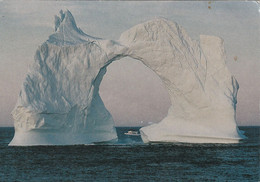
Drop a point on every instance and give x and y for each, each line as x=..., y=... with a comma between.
x=133, y=133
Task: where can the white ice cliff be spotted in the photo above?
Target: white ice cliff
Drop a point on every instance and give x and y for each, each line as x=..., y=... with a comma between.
x=59, y=103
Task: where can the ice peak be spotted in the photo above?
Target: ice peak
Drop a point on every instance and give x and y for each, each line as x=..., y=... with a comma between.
x=67, y=32
x=65, y=20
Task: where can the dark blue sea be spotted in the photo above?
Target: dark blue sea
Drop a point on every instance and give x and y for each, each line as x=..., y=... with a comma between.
x=131, y=160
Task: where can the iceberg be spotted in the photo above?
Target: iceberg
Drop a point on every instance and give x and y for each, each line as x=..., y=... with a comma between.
x=59, y=103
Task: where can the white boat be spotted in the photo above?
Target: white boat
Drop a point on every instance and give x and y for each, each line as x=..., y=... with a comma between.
x=132, y=133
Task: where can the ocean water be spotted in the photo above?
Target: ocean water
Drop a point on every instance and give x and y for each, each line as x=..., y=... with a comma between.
x=131, y=160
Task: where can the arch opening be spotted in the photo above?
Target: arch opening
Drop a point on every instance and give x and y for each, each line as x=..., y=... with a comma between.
x=133, y=93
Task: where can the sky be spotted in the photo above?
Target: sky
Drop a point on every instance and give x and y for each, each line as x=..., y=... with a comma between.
x=131, y=92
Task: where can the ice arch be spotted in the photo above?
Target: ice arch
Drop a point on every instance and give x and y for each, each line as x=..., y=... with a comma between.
x=59, y=103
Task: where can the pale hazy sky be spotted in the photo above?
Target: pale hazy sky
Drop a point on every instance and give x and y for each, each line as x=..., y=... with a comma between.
x=130, y=90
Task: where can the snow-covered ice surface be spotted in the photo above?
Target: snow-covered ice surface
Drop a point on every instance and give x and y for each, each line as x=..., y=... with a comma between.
x=59, y=103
